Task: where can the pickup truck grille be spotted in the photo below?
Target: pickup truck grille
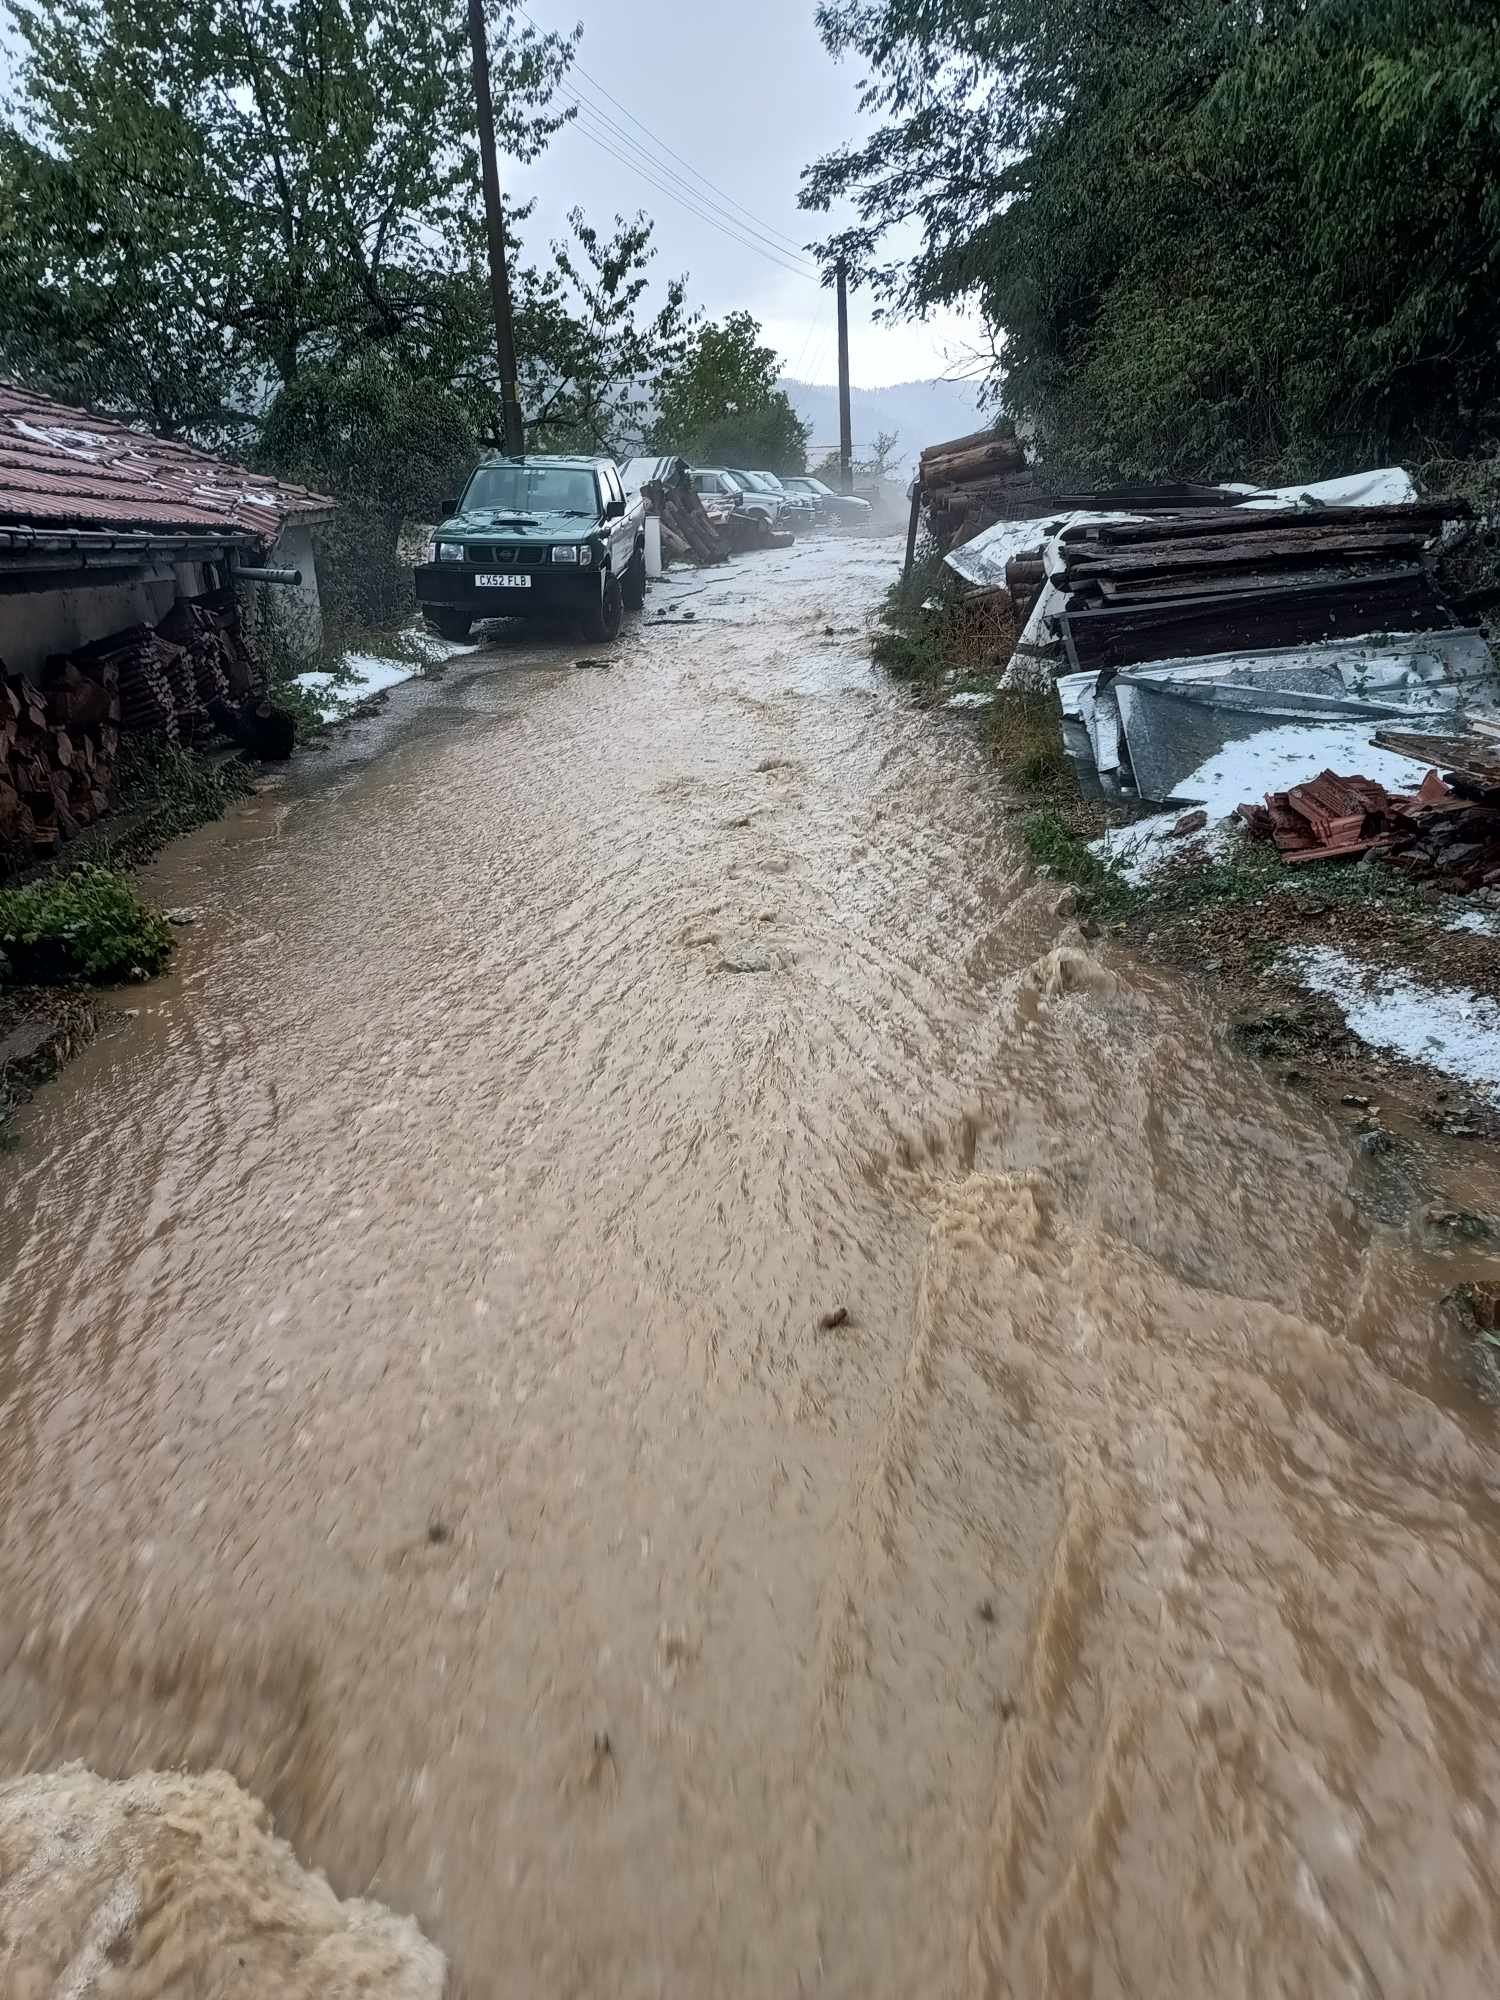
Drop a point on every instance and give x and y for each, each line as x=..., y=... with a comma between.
x=522, y=558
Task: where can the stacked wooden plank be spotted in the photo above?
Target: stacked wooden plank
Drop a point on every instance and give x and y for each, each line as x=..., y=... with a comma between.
x=683, y=518
x=1247, y=579
x=958, y=512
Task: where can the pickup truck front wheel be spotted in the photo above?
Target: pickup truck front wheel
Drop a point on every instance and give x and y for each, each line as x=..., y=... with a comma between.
x=633, y=582
x=602, y=621
x=448, y=621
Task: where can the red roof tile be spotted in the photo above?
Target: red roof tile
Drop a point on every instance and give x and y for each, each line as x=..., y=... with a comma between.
x=61, y=467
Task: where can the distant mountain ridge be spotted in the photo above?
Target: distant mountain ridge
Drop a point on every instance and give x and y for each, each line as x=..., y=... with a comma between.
x=921, y=413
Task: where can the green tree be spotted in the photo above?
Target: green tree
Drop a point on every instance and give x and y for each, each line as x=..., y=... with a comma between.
x=719, y=403
x=390, y=446
x=203, y=196
x=1226, y=236
x=593, y=346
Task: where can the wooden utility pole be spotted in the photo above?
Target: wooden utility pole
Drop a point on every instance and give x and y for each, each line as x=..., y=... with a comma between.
x=846, y=429
x=513, y=434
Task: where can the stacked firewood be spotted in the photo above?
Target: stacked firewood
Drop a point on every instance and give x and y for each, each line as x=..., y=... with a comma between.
x=60, y=733
x=222, y=668
x=683, y=521
x=58, y=739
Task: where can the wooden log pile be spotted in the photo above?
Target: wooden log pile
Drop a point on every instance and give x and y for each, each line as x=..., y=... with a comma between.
x=683, y=519
x=222, y=666
x=60, y=732
x=1025, y=575
x=964, y=483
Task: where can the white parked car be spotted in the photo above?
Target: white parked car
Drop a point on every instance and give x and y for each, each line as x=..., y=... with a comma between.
x=801, y=510
x=716, y=483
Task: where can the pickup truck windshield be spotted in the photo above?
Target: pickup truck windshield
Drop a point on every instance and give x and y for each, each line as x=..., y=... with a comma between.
x=531, y=489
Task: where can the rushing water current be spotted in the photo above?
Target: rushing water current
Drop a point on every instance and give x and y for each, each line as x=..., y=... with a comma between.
x=415, y=1400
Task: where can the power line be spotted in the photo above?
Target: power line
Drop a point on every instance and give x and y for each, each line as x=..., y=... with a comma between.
x=760, y=223
x=659, y=167
x=760, y=226
x=814, y=325
x=683, y=201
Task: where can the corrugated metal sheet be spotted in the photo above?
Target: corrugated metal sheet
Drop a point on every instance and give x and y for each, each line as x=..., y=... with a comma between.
x=63, y=467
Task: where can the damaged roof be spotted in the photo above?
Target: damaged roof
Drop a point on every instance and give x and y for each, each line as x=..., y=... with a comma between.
x=61, y=468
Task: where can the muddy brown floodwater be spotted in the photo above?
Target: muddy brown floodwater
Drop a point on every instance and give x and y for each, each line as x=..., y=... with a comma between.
x=414, y=1399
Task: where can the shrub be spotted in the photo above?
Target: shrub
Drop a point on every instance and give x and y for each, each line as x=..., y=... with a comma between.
x=88, y=924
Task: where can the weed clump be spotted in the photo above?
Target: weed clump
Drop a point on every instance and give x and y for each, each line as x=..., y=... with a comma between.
x=88, y=924
x=1103, y=889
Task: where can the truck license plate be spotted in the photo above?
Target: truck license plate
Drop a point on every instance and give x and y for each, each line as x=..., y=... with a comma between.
x=488, y=581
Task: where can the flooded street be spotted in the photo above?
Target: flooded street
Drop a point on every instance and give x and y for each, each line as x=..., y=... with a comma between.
x=415, y=1401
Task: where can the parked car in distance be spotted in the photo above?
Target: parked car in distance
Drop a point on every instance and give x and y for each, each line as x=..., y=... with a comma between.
x=801, y=510
x=716, y=483
x=536, y=537
x=845, y=507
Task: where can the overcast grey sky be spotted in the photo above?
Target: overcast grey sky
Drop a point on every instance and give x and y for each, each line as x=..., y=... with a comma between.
x=746, y=94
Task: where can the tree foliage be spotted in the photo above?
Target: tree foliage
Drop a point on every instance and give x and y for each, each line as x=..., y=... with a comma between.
x=1215, y=237
x=593, y=347
x=280, y=220
x=200, y=196
x=390, y=445
x=719, y=403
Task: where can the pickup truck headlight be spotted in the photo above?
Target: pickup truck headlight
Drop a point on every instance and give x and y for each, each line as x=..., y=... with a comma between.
x=574, y=552
x=447, y=552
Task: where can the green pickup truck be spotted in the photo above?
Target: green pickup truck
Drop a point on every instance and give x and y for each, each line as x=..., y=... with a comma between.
x=538, y=538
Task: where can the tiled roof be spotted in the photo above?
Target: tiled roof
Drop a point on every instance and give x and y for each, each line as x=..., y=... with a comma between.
x=61, y=468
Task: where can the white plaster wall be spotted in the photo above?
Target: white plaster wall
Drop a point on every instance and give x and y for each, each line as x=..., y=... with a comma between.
x=36, y=623
x=298, y=612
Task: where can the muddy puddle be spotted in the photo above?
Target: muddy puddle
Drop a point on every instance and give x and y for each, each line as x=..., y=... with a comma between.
x=415, y=1403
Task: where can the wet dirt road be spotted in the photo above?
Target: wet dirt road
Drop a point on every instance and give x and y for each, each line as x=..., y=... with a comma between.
x=413, y=1397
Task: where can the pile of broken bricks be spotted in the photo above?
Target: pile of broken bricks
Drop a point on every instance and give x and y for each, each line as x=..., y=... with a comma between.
x=1433, y=833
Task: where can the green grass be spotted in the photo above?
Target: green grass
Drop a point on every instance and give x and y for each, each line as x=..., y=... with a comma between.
x=1252, y=870
x=915, y=644
x=1102, y=888
x=87, y=924
x=1024, y=730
